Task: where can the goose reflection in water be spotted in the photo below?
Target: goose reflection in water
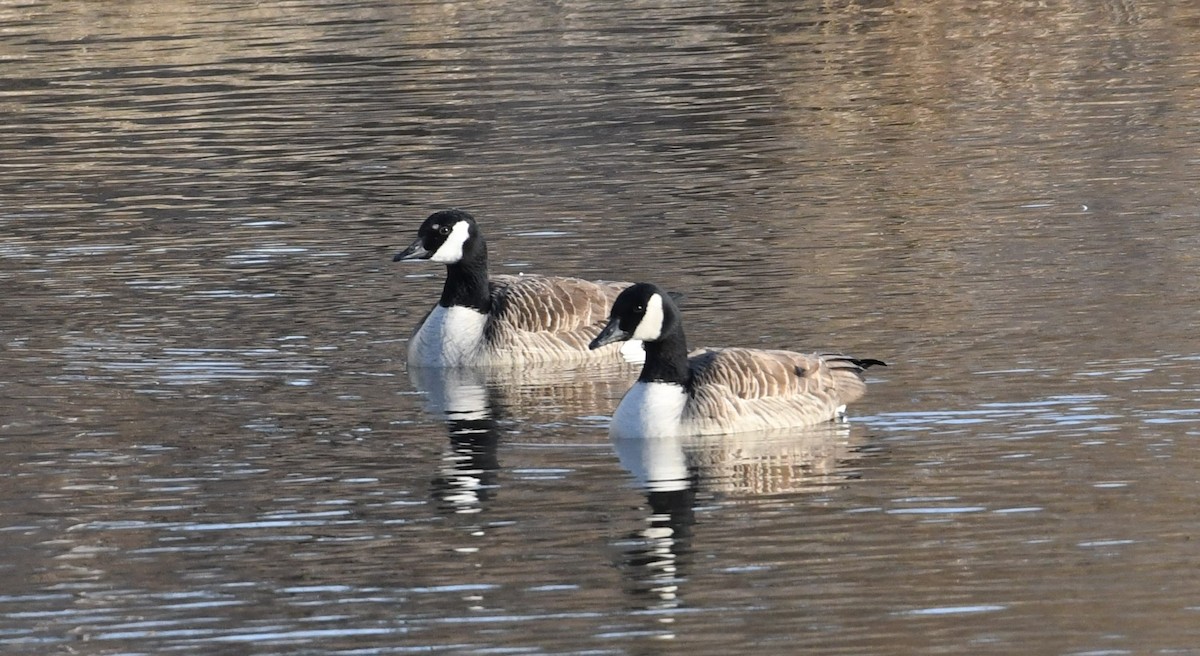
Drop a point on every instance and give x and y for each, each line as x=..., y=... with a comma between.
x=653, y=556
x=469, y=471
x=477, y=403
x=673, y=470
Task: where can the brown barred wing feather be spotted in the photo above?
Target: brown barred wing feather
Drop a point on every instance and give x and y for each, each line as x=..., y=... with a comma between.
x=550, y=317
x=738, y=389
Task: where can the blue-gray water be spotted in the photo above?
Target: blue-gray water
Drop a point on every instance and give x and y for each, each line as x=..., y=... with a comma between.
x=210, y=443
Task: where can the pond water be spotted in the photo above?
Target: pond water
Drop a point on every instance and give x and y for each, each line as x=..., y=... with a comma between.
x=211, y=444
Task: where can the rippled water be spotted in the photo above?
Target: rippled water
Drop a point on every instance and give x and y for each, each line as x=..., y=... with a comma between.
x=211, y=443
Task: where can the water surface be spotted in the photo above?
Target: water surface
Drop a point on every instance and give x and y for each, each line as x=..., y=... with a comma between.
x=212, y=445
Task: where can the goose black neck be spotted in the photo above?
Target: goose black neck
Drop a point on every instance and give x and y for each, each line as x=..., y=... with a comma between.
x=666, y=359
x=467, y=284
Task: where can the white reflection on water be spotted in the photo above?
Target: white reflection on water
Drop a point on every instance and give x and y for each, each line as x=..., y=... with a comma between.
x=152, y=363
x=1048, y=415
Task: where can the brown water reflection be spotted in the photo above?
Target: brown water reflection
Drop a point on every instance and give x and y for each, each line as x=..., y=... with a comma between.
x=211, y=445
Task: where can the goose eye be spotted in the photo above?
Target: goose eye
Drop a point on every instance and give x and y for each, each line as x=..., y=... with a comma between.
x=443, y=230
x=640, y=309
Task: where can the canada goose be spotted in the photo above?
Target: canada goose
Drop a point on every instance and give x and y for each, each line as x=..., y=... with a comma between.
x=719, y=391
x=507, y=320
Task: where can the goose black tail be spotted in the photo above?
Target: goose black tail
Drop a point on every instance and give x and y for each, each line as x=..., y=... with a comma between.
x=839, y=361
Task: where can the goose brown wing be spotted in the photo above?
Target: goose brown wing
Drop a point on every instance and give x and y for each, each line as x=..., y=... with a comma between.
x=548, y=313
x=737, y=389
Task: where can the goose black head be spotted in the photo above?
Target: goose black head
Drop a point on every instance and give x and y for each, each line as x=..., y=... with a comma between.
x=643, y=311
x=447, y=236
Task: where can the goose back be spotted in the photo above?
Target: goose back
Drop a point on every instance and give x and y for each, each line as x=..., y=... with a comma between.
x=547, y=319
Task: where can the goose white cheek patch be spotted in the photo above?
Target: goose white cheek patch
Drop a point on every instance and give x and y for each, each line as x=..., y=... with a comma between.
x=451, y=250
x=651, y=325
